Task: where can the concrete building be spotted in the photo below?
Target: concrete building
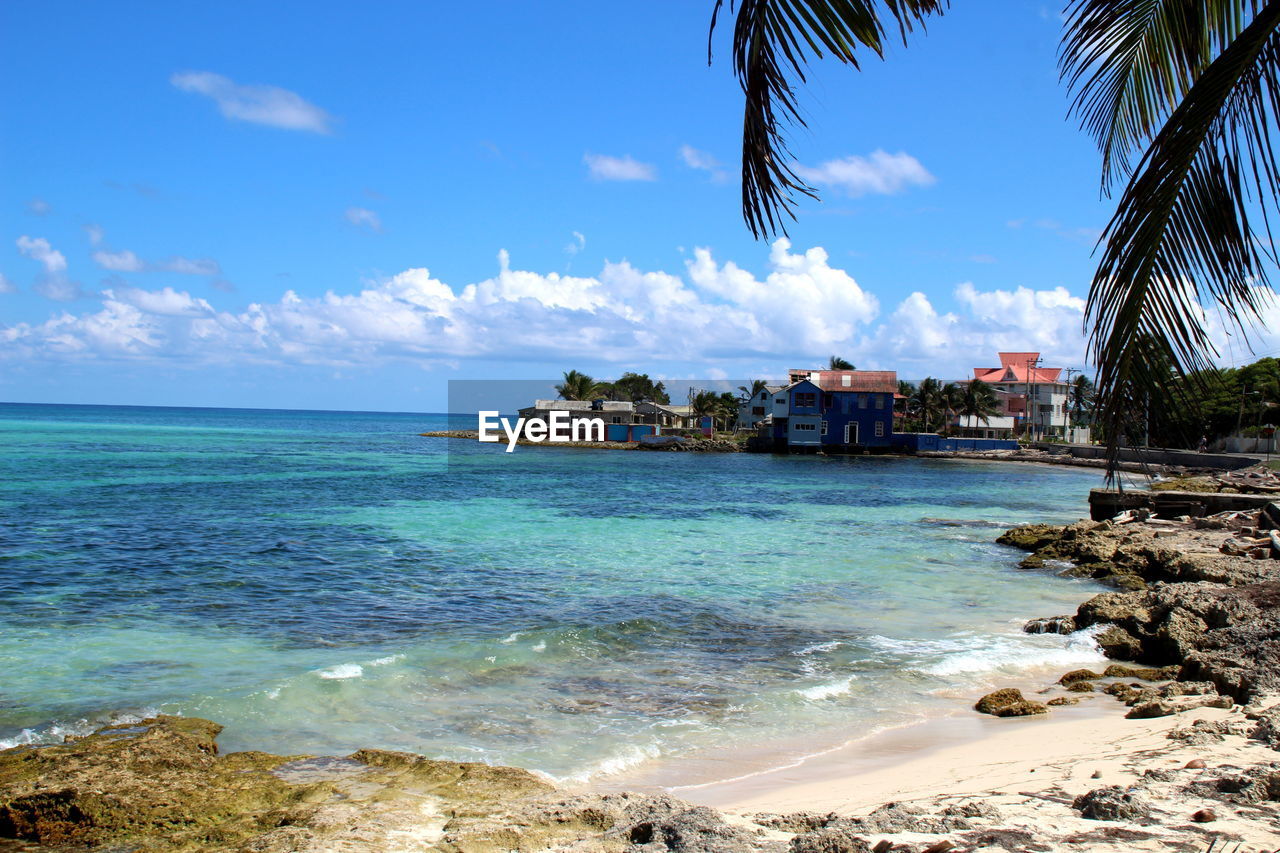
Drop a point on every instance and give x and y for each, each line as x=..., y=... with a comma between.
x=1035, y=397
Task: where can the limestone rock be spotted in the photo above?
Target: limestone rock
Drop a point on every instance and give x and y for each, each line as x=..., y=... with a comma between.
x=1009, y=702
x=1111, y=803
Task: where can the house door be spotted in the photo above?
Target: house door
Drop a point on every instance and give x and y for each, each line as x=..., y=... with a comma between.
x=851, y=433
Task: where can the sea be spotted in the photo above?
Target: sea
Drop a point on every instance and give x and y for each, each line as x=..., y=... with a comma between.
x=319, y=582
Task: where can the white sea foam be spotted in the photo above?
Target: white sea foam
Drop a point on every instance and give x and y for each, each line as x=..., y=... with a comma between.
x=341, y=671
x=386, y=660
x=820, y=647
x=1020, y=652
x=540, y=647
x=626, y=758
x=511, y=638
x=827, y=690
x=57, y=732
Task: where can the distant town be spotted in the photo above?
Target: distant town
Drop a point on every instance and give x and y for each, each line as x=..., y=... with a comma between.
x=841, y=408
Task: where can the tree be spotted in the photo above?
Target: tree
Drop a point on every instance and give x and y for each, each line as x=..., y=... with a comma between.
x=637, y=388
x=978, y=400
x=927, y=403
x=1181, y=97
x=578, y=386
x=1080, y=400
x=751, y=392
x=838, y=363
x=951, y=399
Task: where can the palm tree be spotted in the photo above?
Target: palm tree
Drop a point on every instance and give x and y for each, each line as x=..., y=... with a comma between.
x=750, y=392
x=838, y=363
x=978, y=400
x=927, y=402
x=952, y=399
x=1080, y=400
x=1188, y=90
x=705, y=403
x=578, y=386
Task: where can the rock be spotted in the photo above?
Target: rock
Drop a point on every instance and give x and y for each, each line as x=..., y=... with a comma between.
x=1145, y=673
x=1165, y=707
x=1051, y=625
x=1194, y=764
x=1111, y=803
x=1205, y=816
x=1063, y=700
x=1118, y=643
x=830, y=840
x=1030, y=537
x=1008, y=702
x=1079, y=675
x=1081, y=687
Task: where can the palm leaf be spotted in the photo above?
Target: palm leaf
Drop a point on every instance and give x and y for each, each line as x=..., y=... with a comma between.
x=1132, y=61
x=1183, y=235
x=772, y=42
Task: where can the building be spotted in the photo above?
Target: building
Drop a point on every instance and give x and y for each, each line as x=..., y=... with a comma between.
x=755, y=409
x=1035, y=397
x=622, y=421
x=842, y=409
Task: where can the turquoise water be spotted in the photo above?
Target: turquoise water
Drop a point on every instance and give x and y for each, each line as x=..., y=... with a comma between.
x=321, y=581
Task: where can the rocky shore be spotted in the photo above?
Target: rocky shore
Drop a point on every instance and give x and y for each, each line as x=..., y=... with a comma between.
x=1193, y=761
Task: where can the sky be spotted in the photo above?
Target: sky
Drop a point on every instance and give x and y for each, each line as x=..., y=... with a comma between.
x=345, y=206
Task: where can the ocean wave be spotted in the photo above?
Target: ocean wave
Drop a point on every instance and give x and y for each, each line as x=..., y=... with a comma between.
x=386, y=660
x=341, y=671
x=819, y=647
x=829, y=689
x=624, y=759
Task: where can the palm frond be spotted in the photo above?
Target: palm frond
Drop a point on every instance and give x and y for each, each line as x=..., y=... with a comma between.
x=1183, y=235
x=1131, y=62
x=772, y=42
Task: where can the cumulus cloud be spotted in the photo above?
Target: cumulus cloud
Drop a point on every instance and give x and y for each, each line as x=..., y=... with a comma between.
x=127, y=261
x=798, y=311
x=602, y=167
x=577, y=245
x=95, y=234
x=879, y=173
x=704, y=162
x=7, y=286
x=259, y=104
x=362, y=217
x=39, y=207
x=38, y=249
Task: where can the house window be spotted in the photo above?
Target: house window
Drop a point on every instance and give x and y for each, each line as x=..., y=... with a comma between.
x=827, y=401
x=824, y=427
x=781, y=401
x=804, y=427
x=879, y=429
x=806, y=399
x=617, y=419
x=757, y=410
x=862, y=401
x=846, y=380
x=879, y=401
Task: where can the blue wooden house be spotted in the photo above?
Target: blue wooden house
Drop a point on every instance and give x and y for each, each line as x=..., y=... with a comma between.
x=836, y=409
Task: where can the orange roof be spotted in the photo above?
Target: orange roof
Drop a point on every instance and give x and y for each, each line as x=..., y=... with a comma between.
x=1013, y=368
x=864, y=381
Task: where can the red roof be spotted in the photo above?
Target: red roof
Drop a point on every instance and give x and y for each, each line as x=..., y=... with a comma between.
x=862, y=381
x=1013, y=368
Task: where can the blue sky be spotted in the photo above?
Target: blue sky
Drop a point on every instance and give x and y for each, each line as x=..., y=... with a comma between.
x=304, y=205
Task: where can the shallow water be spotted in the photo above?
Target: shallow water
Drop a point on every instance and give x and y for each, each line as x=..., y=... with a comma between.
x=321, y=581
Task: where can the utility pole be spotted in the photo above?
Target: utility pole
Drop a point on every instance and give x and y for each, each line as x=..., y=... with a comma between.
x=1032, y=406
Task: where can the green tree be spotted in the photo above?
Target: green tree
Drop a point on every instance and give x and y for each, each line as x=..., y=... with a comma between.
x=637, y=388
x=1080, y=400
x=578, y=386
x=927, y=403
x=978, y=400
x=1182, y=99
x=750, y=392
x=838, y=363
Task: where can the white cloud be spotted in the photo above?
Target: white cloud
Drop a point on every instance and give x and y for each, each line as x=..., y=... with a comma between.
x=38, y=249
x=577, y=245
x=189, y=266
x=799, y=311
x=701, y=160
x=7, y=286
x=124, y=261
x=259, y=104
x=602, y=167
x=95, y=234
x=363, y=217
x=879, y=173
x=39, y=207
